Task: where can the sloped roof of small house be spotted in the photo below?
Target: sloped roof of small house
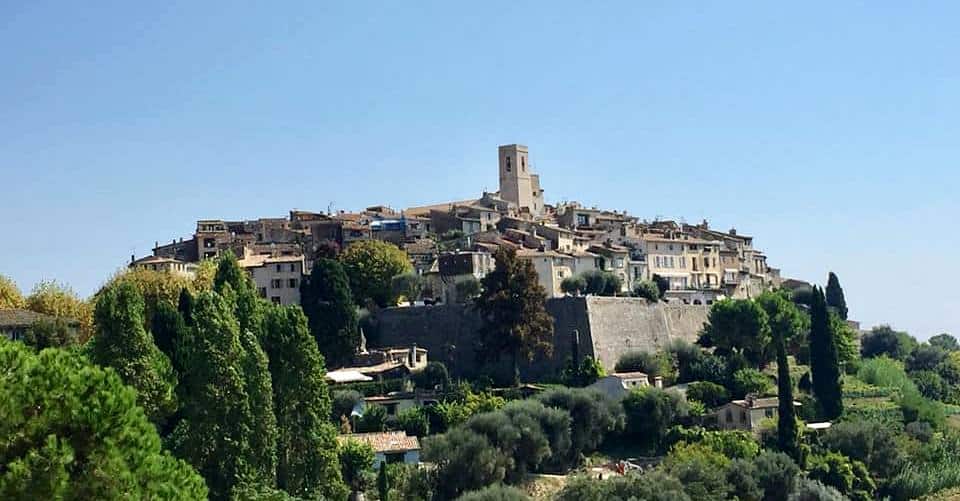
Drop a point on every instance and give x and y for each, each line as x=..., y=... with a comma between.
x=384, y=442
x=14, y=318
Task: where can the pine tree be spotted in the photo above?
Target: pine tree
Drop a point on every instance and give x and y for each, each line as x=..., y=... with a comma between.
x=217, y=432
x=72, y=430
x=824, y=359
x=306, y=447
x=513, y=307
x=329, y=306
x=835, y=299
x=122, y=342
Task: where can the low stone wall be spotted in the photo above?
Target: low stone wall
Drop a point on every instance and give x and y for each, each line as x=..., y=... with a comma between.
x=607, y=328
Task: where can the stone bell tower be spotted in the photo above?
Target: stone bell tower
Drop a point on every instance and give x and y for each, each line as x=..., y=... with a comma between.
x=518, y=184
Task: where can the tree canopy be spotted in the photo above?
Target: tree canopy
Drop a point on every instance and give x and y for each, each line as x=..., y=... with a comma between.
x=738, y=326
x=10, y=295
x=122, y=343
x=218, y=408
x=86, y=437
x=371, y=265
x=327, y=301
x=824, y=359
x=306, y=443
x=834, y=296
x=513, y=307
x=59, y=300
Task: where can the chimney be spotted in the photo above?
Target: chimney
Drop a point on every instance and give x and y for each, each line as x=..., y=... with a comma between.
x=658, y=382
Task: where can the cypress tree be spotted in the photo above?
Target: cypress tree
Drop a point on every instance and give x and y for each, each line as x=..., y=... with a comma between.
x=122, y=342
x=216, y=434
x=168, y=329
x=787, y=432
x=307, y=462
x=330, y=309
x=383, y=486
x=247, y=305
x=835, y=299
x=824, y=359
x=513, y=307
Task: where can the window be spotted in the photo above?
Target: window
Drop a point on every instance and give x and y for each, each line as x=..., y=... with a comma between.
x=292, y=283
x=768, y=413
x=523, y=164
x=508, y=164
x=293, y=266
x=278, y=268
x=276, y=283
x=619, y=262
x=275, y=299
x=729, y=416
x=263, y=292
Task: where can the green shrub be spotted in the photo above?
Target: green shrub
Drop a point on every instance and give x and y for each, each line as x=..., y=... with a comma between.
x=495, y=493
x=711, y=394
x=751, y=381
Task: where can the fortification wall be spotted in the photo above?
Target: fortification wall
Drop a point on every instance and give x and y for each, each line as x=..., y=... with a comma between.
x=618, y=325
x=606, y=327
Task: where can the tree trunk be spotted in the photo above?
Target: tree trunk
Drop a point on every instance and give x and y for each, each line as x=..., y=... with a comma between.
x=516, y=367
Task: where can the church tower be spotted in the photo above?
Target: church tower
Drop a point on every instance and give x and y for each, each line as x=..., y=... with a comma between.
x=518, y=184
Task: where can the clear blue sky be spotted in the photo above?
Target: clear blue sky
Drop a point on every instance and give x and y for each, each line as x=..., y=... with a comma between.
x=828, y=130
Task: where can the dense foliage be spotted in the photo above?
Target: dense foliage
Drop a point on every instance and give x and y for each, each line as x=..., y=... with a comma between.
x=513, y=307
x=370, y=266
x=85, y=437
x=328, y=304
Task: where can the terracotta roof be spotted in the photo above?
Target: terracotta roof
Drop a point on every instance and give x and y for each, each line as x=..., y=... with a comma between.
x=425, y=209
x=384, y=442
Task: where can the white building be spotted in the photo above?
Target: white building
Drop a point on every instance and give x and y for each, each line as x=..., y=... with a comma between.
x=277, y=278
x=618, y=384
x=388, y=447
x=165, y=264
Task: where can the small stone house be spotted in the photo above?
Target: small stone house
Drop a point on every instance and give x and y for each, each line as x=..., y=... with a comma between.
x=618, y=384
x=748, y=414
x=14, y=323
x=388, y=446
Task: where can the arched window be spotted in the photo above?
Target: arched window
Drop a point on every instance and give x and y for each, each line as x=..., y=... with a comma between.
x=508, y=164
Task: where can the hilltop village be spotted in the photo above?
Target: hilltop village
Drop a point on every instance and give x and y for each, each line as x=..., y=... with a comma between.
x=452, y=242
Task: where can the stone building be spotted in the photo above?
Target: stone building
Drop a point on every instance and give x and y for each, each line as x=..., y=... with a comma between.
x=165, y=264
x=277, y=278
